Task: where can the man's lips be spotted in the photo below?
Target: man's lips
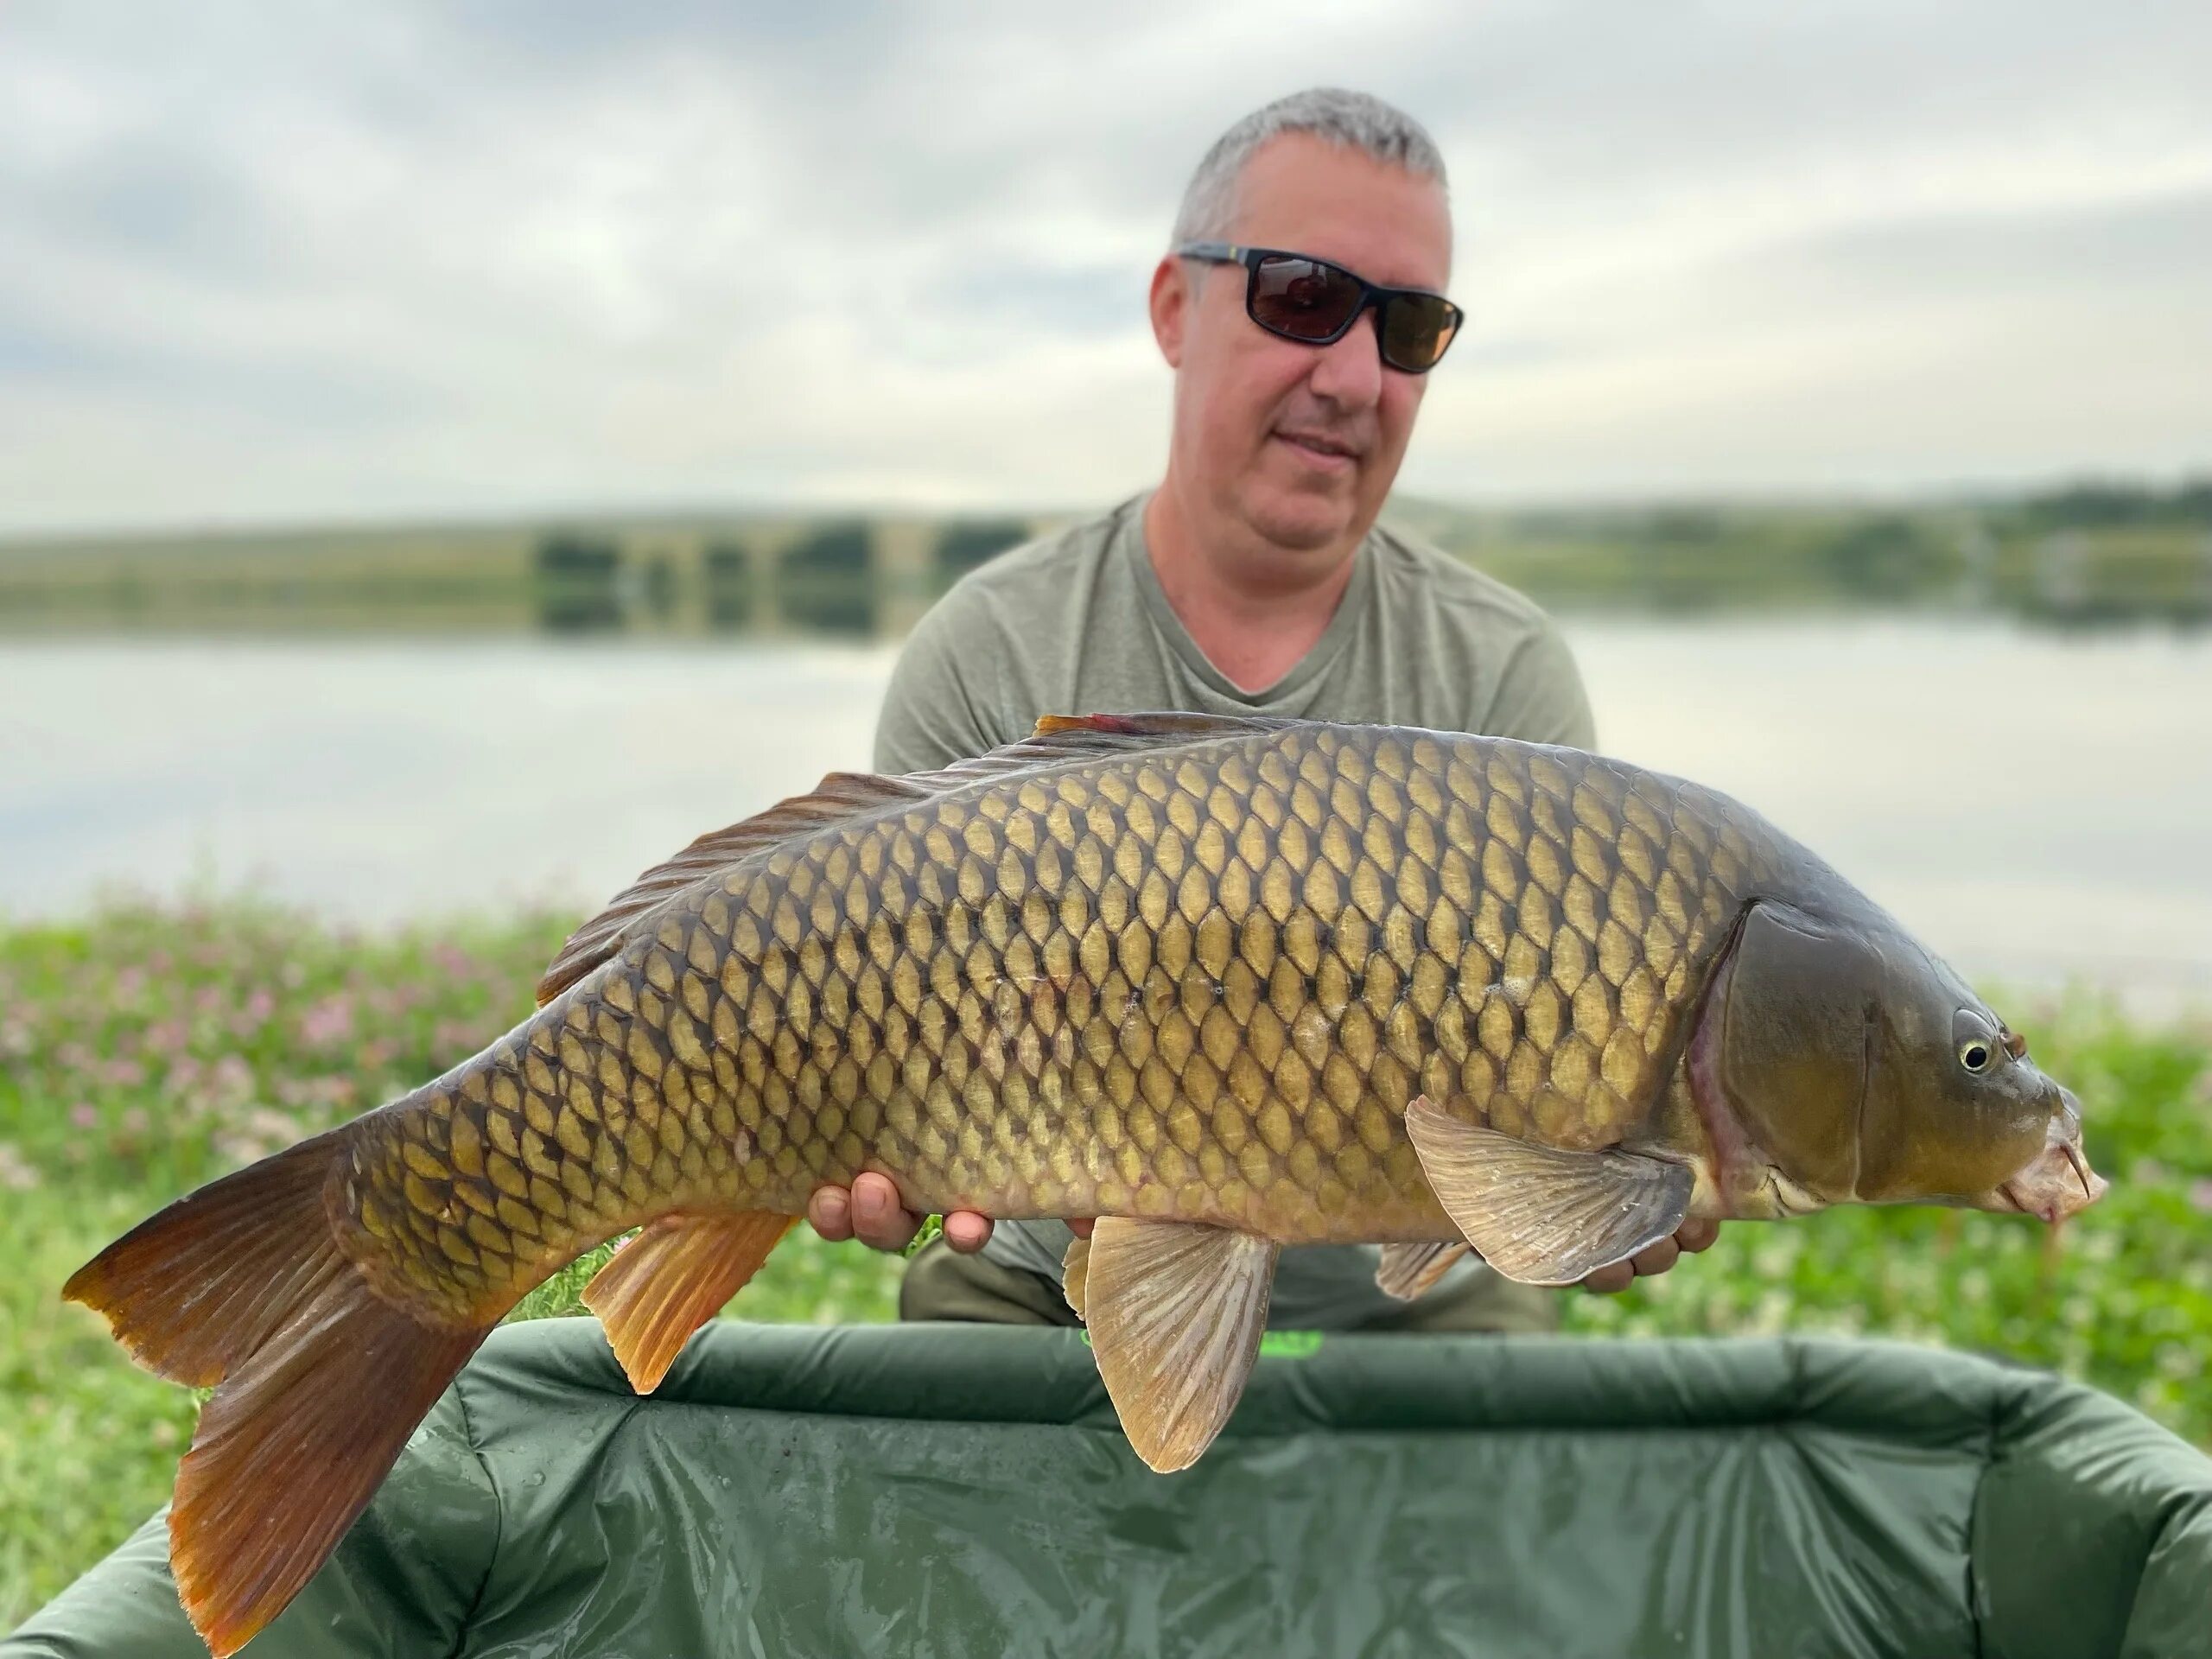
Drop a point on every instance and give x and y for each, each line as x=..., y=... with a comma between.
x=1320, y=448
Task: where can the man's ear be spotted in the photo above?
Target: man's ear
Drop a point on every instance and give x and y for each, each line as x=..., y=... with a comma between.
x=1171, y=307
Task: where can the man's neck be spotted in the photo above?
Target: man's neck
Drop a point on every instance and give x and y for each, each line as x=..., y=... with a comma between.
x=1254, y=634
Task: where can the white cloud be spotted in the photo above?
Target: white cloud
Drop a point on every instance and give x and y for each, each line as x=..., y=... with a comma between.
x=415, y=259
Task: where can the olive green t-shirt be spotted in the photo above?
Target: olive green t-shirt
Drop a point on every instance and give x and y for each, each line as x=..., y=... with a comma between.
x=1077, y=623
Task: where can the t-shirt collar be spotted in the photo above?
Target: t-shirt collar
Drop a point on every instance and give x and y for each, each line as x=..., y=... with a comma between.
x=1129, y=536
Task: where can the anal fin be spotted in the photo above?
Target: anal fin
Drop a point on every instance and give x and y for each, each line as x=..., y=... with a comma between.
x=1411, y=1270
x=673, y=1278
x=1176, y=1310
x=1539, y=1214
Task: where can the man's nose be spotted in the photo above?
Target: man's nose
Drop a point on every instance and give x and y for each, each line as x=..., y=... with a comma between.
x=1350, y=372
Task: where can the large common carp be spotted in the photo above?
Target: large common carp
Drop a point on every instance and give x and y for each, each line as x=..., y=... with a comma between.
x=1228, y=984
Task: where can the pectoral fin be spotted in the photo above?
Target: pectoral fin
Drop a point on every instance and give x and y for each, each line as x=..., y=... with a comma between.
x=1541, y=1215
x=1409, y=1270
x=671, y=1279
x=1176, y=1310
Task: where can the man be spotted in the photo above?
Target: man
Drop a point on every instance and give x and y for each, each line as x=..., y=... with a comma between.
x=1253, y=580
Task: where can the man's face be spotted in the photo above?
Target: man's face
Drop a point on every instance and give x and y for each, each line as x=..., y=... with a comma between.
x=1299, y=444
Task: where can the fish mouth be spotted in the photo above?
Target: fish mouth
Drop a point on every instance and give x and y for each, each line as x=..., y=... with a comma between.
x=1789, y=1198
x=2058, y=1182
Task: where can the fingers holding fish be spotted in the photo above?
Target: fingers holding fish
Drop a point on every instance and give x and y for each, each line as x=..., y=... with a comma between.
x=966, y=1231
x=870, y=1211
x=881, y=1221
x=1655, y=1258
x=1691, y=1238
x=830, y=1212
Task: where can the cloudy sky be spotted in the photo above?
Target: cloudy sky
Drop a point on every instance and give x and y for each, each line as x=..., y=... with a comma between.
x=319, y=260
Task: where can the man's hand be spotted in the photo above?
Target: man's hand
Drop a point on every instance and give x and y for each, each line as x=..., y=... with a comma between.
x=1691, y=1237
x=870, y=1211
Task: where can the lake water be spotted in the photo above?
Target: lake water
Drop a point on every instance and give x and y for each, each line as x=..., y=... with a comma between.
x=2037, y=807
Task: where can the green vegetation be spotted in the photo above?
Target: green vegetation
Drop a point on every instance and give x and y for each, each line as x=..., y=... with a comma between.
x=144, y=1050
x=2075, y=557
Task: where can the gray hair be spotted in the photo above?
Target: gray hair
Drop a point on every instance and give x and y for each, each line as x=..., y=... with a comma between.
x=1355, y=120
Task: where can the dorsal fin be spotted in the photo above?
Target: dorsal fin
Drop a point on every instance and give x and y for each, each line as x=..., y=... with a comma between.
x=1165, y=723
x=1057, y=739
x=842, y=796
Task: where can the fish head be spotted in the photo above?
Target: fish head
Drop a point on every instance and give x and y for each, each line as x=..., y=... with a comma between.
x=1865, y=1070
x=1956, y=1112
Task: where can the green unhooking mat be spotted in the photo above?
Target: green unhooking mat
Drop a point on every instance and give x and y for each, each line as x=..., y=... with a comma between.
x=953, y=1489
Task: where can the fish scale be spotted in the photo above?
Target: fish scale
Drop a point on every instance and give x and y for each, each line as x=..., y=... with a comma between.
x=1202, y=984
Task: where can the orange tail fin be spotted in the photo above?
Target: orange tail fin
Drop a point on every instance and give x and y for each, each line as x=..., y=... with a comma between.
x=318, y=1381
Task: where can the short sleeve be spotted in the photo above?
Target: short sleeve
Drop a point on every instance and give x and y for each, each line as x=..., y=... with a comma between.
x=1539, y=697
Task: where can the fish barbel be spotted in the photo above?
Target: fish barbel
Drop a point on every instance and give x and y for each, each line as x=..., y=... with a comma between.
x=1227, y=984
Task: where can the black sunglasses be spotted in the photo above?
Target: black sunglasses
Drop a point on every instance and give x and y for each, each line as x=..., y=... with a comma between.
x=1314, y=302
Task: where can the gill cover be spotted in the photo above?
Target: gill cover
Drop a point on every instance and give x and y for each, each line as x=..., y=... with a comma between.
x=1801, y=1006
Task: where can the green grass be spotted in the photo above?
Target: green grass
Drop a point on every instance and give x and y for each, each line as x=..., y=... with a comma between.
x=144, y=1050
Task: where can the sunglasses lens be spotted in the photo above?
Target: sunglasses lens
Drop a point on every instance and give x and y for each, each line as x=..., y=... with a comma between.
x=1416, y=327
x=1302, y=298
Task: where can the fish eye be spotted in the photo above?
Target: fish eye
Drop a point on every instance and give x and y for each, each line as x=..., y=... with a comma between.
x=1975, y=1039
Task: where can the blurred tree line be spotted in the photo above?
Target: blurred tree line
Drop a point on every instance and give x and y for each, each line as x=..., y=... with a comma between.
x=2085, y=554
